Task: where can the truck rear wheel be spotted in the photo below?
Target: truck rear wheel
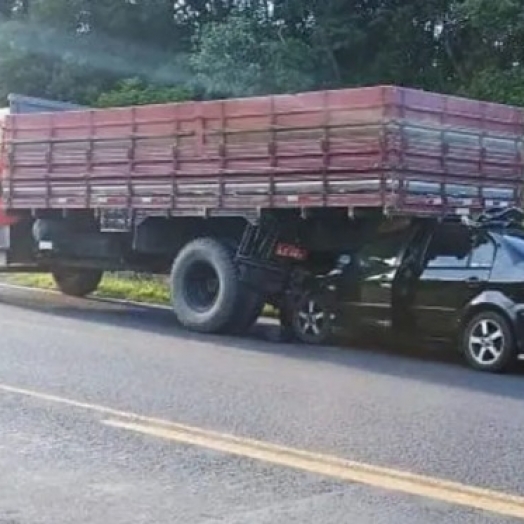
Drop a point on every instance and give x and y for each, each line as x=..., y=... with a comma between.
x=77, y=282
x=248, y=308
x=205, y=290
x=249, y=304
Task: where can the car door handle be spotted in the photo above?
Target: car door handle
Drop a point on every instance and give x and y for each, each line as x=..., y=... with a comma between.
x=385, y=281
x=473, y=281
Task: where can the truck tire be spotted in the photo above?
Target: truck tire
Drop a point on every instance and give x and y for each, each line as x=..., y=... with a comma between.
x=285, y=319
x=249, y=304
x=77, y=282
x=205, y=292
x=248, y=308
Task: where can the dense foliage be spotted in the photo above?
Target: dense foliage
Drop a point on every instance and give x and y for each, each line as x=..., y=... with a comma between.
x=118, y=52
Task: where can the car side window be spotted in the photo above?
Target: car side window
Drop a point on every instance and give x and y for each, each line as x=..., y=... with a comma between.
x=449, y=247
x=384, y=251
x=482, y=253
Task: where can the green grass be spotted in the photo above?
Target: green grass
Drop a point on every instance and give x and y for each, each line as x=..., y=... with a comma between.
x=149, y=291
x=39, y=280
x=137, y=289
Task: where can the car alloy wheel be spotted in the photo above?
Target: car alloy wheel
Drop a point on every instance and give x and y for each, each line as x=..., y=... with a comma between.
x=312, y=320
x=486, y=342
x=489, y=342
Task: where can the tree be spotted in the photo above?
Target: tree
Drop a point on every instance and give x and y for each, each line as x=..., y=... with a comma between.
x=136, y=92
x=75, y=49
x=79, y=49
x=243, y=56
x=490, y=48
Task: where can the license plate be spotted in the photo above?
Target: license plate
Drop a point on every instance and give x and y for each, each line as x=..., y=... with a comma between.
x=290, y=251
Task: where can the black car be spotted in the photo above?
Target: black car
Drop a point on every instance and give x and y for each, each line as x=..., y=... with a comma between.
x=457, y=282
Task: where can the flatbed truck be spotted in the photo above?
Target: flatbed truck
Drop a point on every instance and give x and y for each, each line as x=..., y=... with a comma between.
x=231, y=197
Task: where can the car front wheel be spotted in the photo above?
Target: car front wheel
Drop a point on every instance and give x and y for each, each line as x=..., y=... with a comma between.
x=312, y=320
x=488, y=342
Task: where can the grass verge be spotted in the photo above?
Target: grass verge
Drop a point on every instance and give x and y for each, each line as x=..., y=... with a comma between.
x=135, y=288
x=148, y=291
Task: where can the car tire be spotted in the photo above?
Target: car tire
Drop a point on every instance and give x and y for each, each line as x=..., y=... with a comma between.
x=312, y=320
x=77, y=282
x=204, y=286
x=488, y=342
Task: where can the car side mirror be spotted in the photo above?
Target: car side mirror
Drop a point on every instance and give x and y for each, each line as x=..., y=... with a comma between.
x=343, y=261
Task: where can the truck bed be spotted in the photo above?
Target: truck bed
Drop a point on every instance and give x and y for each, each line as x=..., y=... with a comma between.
x=402, y=150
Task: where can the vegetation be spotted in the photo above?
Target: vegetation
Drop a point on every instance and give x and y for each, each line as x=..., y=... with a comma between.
x=120, y=52
x=136, y=288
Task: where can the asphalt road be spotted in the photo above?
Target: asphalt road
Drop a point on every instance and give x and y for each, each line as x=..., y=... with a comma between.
x=111, y=414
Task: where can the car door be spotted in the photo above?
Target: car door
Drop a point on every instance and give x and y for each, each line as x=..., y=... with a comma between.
x=368, y=290
x=456, y=267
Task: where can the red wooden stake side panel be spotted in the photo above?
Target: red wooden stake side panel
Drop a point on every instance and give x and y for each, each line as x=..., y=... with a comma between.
x=378, y=146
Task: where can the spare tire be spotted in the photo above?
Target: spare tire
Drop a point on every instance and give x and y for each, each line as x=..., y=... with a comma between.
x=77, y=282
x=204, y=286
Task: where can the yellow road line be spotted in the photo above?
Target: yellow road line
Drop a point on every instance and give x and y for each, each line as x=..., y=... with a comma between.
x=326, y=465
